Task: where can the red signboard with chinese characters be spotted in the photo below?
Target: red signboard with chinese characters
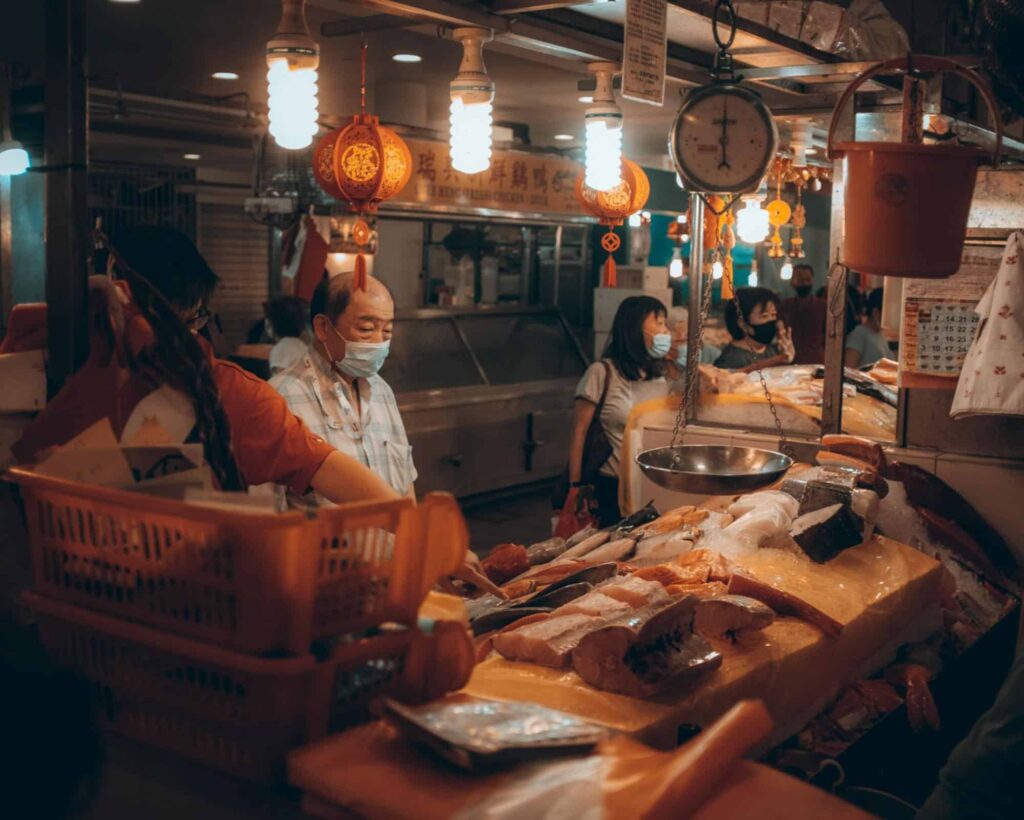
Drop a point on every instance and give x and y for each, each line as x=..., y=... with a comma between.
x=516, y=181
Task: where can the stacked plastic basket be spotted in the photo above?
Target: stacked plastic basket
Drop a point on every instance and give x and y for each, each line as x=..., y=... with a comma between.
x=230, y=637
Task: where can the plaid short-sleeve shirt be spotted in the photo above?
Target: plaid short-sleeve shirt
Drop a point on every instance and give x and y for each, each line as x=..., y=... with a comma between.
x=375, y=435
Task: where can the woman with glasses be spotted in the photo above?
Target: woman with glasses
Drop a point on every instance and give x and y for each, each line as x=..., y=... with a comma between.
x=146, y=335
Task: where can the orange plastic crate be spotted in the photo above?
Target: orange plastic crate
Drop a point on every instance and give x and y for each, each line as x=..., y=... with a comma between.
x=259, y=582
x=223, y=709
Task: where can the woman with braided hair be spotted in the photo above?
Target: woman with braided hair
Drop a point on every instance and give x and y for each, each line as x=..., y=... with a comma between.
x=249, y=435
x=145, y=335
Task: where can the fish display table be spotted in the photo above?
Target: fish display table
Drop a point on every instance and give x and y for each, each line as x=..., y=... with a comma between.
x=883, y=593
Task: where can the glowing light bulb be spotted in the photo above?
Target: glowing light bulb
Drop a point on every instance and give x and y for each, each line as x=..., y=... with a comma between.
x=681, y=219
x=14, y=158
x=675, y=267
x=717, y=270
x=603, y=121
x=472, y=96
x=786, y=271
x=752, y=278
x=292, y=60
x=603, y=156
x=470, y=137
x=635, y=220
x=293, y=104
x=752, y=223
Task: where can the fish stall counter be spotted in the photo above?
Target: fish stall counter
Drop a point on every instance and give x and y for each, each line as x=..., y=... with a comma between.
x=788, y=595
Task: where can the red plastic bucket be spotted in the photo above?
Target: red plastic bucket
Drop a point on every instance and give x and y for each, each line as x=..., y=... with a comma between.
x=905, y=206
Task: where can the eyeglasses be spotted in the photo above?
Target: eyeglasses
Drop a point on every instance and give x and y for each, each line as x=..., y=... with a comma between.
x=198, y=320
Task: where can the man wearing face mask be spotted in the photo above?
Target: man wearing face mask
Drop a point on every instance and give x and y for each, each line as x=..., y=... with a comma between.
x=805, y=316
x=335, y=387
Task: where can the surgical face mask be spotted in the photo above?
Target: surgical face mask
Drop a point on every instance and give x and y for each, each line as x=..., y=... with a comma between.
x=803, y=290
x=659, y=345
x=362, y=359
x=764, y=334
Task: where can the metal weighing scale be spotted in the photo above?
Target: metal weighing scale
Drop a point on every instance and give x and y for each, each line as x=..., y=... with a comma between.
x=715, y=469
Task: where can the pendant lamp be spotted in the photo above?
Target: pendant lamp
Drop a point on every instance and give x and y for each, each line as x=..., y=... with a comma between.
x=603, y=122
x=292, y=61
x=472, y=95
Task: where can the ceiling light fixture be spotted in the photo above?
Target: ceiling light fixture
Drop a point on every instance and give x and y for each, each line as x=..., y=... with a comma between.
x=564, y=137
x=604, y=131
x=407, y=58
x=292, y=61
x=472, y=95
x=224, y=75
x=752, y=224
x=675, y=267
x=586, y=98
x=13, y=158
x=786, y=271
x=191, y=156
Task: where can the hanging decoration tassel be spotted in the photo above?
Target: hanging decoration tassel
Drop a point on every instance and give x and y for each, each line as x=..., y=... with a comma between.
x=611, y=279
x=361, y=233
x=796, y=241
x=610, y=242
x=728, y=243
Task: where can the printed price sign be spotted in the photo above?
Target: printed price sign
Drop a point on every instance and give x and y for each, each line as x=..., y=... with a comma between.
x=643, y=52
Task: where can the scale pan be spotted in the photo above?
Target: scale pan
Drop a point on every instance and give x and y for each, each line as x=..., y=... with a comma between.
x=712, y=469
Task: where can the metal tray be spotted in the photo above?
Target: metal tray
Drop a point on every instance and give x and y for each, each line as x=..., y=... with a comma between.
x=712, y=469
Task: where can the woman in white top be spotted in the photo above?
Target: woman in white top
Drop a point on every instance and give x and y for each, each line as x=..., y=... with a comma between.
x=635, y=361
x=286, y=324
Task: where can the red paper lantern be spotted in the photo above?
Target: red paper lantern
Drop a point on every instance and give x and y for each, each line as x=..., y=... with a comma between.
x=613, y=207
x=363, y=164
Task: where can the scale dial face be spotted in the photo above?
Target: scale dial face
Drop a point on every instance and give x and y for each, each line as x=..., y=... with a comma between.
x=723, y=140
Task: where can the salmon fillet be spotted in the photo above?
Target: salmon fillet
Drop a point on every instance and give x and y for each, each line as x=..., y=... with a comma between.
x=635, y=591
x=593, y=603
x=547, y=643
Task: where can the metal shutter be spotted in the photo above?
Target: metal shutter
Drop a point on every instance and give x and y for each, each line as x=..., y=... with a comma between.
x=236, y=248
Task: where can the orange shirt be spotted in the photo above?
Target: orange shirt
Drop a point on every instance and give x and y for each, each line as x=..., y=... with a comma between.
x=269, y=442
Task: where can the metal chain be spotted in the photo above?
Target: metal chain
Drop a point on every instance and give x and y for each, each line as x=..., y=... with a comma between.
x=742, y=322
x=692, y=362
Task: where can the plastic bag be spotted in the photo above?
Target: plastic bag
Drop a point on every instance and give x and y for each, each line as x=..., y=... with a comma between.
x=868, y=32
x=575, y=515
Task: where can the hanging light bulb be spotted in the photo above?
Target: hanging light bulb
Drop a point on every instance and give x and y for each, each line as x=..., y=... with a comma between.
x=752, y=222
x=292, y=61
x=603, y=122
x=675, y=267
x=472, y=95
x=752, y=278
x=13, y=158
x=786, y=271
x=717, y=269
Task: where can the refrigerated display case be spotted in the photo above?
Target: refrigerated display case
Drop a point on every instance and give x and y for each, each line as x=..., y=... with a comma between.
x=486, y=394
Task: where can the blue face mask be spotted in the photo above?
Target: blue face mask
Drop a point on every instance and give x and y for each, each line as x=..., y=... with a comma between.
x=660, y=345
x=362, y=359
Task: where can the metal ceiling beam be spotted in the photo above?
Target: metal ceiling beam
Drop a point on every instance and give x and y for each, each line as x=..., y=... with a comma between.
x=706, y=8
x=523, y=6
x=362, y=25
x=443, y=12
